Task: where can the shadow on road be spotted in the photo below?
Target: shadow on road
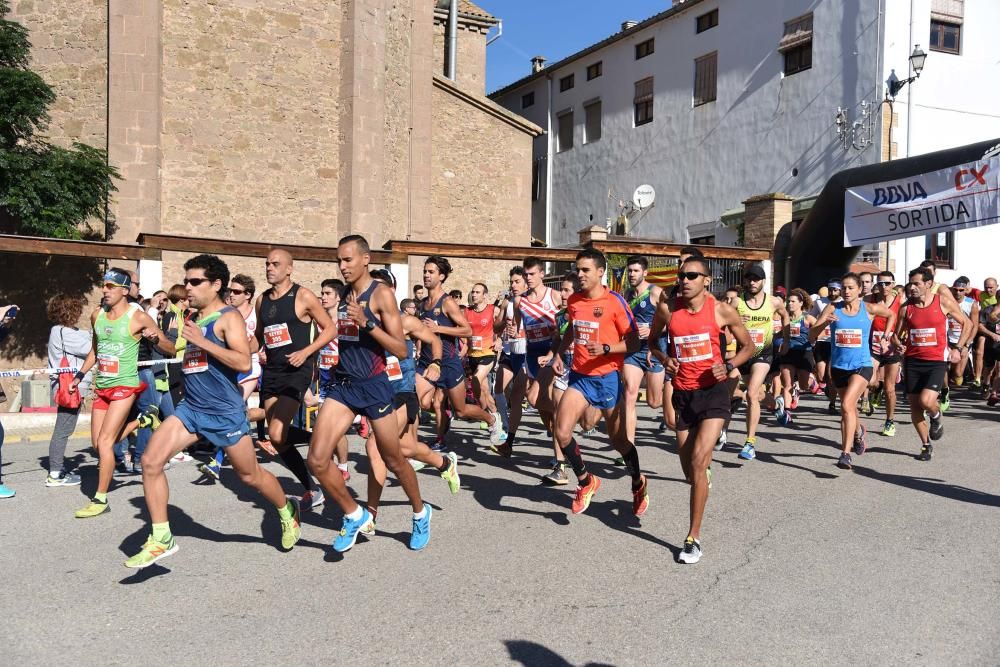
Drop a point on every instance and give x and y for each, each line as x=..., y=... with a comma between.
x=933, y=486
x=532, y=653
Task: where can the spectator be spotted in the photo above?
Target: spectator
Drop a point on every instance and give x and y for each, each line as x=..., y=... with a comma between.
x=7, y=315
x=66, y=340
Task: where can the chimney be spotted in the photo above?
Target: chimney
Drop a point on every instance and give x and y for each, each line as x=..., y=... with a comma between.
x=626, y=25
x=537, y=63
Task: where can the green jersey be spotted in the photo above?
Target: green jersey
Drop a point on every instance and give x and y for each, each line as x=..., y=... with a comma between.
x=117, y=351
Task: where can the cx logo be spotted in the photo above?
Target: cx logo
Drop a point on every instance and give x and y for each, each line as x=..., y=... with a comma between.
x=978, y=177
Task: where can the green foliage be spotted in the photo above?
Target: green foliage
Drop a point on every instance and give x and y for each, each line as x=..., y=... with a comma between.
x=46, y=190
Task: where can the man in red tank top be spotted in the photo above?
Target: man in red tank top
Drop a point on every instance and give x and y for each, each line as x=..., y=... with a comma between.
x=696, y=360
x=924, y=321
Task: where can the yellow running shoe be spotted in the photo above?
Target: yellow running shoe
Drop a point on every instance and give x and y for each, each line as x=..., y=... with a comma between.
x=291, y=530
x=152, y=551
x=94, y=508
x=451, y=474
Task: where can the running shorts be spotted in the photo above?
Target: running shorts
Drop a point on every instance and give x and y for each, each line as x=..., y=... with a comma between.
x=920, y=374
x=410, y=401
x=822, y=350
x=765, y=357
x=799, y=358
x=452, y=373
x=601, y=391
x=515, y=362
x=639, y=359
x=692, y=406
x=841, y=377
x=371, y=397
x=105, y=397
x=476, y=362
x=290, y=384
x=219, y=430
x=886, y=359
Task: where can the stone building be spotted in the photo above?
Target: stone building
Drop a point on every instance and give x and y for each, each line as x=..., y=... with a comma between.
x=295, y=122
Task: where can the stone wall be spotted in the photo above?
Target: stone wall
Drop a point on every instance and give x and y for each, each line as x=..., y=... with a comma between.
x=470, y=68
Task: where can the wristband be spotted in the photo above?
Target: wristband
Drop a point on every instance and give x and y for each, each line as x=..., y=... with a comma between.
x=79, y=375
x=435, y=362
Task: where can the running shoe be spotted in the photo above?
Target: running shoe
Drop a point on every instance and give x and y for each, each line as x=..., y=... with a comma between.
x=363, y=428
x=692, y=551
x=889, y=428
x=123, y=468
x=291, y=528
x=421, y=529
x=62, y=479
x=926, y=452
x=844, y=462
x=779, y=409
x=585, y=493
x=150, y=419
x=832, y=407
x=349, y=531
x=708, y=474
x=975, y=385
x=993, y=399
x=451, y=474
x=721, y=442
x=210, y=469
x=876, y=397
x=619, y=461
x=749, y=452
x=344, y=472
x=496, y=431
x=137, y=468
x=312, y=499
x=6, y=492
x=640, y=498
x=557, y=477
x=417, y=465
x=151, y=552
x=795, y=399
x=937, y=429
x=92, y=509
x=182, y=457
x=439, y=446
x=945, y=403
x=860, y=440
x=814, y=387
x=503, y=449
x=867, y=408
x=369, y=527
x=589, y=433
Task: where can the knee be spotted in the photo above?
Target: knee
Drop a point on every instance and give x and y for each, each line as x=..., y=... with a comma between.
x=317, y=464
x=249, y=477
x=563, y=434
x=275, y=431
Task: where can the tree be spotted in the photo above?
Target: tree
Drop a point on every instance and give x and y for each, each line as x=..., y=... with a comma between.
x=45, y=190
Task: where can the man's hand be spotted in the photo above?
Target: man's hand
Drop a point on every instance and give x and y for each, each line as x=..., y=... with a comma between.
x=558, y=367
x=192, y=333
x=297, y=358
x=73, y=385
x=660, y=354
x=432, y=373
x=430, y=324
x=954, y=356
x=643, y=331
x=595, y=348
x=671, y=365
x=356, y=312
x=720, y=371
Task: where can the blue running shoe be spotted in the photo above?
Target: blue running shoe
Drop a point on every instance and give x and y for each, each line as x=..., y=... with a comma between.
x=748, y=452
x=779, y=409
x=6, y=491
x=349, y=531
x=421, y=530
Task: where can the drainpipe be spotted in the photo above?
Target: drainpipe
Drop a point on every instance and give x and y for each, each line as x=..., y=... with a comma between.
x=496, y=36
x=548, y=167
x=452, y=38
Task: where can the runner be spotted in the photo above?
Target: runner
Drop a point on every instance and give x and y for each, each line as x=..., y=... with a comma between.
x=442, y=315
x=694, y=321
x=604, y=331
x=217, y=352
x=797, y=364
x=923, y=320
x=886, y=355
x=482, y=317
x=510, y=371
x=329, y=357
x=285, y=314
x=987, y=299
x=970, y=308
x=569, y=286
x=757, y=308
x=368, y=328
x=642, y=298
x=118, y=327
x=822, y=346
x=850, y=323
x=988, y=319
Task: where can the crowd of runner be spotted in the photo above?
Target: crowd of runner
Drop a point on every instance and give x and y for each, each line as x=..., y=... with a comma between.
x=178, y=370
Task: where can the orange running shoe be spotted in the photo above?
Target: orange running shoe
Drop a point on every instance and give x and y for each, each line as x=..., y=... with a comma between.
x=640, y=499
x=585, y=493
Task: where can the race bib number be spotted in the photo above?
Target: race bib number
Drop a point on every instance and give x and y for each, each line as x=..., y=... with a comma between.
x=697, y=347
x=923, y=337
x=277, y=335
x=584, y=331
x=825, y=335
x=795, y=329
x=347, y=329
x=107, y=365
x=777, y=326
x=954, y=329
x=328, y=357
x=849, y=338
x=538, y=332
x=392, y=368
x=476, y=343
x=195, y=360
x=756, y=336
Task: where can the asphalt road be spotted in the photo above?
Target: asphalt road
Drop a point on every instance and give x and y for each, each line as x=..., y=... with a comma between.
x=892, y=563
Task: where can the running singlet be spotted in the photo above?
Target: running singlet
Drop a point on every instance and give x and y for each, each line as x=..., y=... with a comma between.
x=758, y=323
x=210, y=386
x=694, y=342
x=539, y=321
x=284, y=332
x=562, y=326
x=643, y=309
x=879, y=324
x=481, y=340
x=329, y=357
x=117, y=350
x=798, y=333
x=449, y=348
x=361, y=356
x=955, y=328
x=403, y=372
x=606, y=319
x=850, y=335
x=927, y=337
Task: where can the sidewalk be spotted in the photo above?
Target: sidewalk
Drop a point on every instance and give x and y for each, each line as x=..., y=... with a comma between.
x=36, y=426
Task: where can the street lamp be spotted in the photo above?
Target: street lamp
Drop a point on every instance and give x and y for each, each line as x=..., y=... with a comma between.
x=893, y=83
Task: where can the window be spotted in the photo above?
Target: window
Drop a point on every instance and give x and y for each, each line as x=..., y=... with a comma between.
x=564, y=139
x=527, y=100
x=941, y=248
x=796, y=44
x=703, y=240
x=566, y=83
x=643, y=101
x=536, y=185
x=595, y=70
x=705, y=69
x=946, y=37
x=592, y=122
x=643, y=49
x=707, y=21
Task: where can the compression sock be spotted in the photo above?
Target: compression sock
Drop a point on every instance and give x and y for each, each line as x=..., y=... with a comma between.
x=294, y=461
x=632, y=465
x=572, y=452
x=298, y=436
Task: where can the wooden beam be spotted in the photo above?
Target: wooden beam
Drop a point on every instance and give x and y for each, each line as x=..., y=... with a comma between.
x=35, y=245
x=654, y=249
x=476, y=251
x=197, y=245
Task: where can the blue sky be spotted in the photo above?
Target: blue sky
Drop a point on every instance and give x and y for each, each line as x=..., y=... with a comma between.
x=554, y=29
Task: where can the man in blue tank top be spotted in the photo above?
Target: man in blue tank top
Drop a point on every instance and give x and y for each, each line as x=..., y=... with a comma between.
x=217, y=352
x=642, y=298
x=368, y=327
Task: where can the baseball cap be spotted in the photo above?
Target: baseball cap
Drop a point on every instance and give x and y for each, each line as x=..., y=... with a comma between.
x=118, y=278
x=781, y=290
x=756, y=271
x=961, y=281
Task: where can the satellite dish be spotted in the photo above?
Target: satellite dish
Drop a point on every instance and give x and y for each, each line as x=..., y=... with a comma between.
x=644, y=196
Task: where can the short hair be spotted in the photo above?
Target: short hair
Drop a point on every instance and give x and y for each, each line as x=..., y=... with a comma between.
x=416, y=287
x=456, y=294
x=594, y=255
x=334, y=283
x=442, y=264
x=734, y=288
x=361, y=242
x=532, y=262
x=691, y=250
x=406, y=303
x=65, y=309
x=486, y=290
x=215, y=269
x=928, y=263
x=517, y=271
x=852, y=276
x=925, y=275
x=571, y=278
x=804, y=297
x=699, y=260
x=867, y=273
x=637, y=259
x=246, y=282
x=159, y=291
x=385, y=276
x=887, y=274
x=176, y=293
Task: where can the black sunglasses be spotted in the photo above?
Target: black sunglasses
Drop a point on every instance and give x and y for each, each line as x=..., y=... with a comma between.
x=883, y=283
x=233, y=290
x=691, y=275
x=194, y=281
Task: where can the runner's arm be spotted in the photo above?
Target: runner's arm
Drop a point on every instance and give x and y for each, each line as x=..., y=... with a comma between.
x=661, y=320
x=91, y=359
x=259, y=330
x=415, y=328
x=461, y=328
x=390, y=334
x=726, y=316
x=314, y=309
x=951, y=308
x=232, y=329
x=151, y=332
x=824, y=318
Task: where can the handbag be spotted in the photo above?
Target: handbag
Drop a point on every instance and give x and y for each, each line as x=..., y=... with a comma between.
x=65, y=398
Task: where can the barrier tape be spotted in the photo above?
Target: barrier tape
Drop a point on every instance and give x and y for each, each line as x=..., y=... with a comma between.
x=27, y=372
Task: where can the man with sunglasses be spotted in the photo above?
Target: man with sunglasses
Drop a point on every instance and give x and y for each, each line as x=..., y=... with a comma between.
x=118, y=328
x=757, y=310
x=700, y=373
x=886, y=355
x=970, y=307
